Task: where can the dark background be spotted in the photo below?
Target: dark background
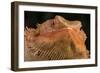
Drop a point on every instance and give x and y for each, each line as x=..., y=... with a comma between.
x=32, y=18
